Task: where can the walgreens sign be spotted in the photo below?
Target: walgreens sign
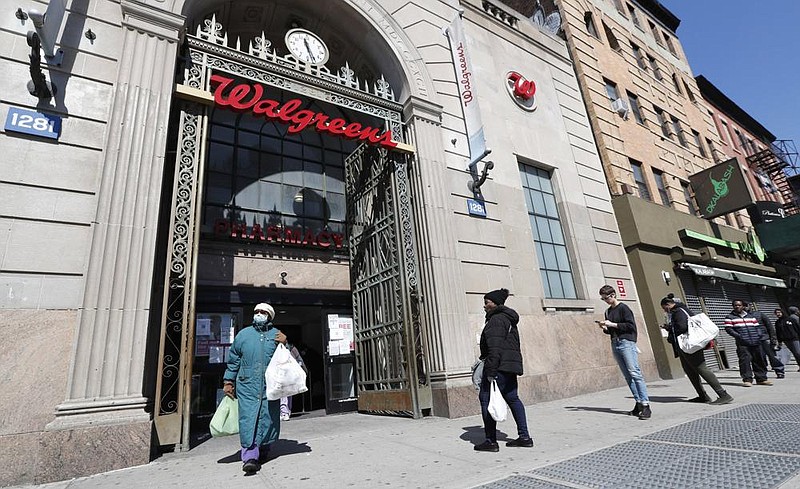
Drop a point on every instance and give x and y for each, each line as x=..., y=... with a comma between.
x=249, y=97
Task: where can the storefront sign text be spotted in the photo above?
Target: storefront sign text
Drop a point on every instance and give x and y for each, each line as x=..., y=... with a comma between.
x=278, y=235
x=244, y=97
x=750, y=247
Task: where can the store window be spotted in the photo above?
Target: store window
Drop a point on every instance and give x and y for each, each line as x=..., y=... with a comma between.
x=661, y=185
x=638, y=177
x=259, y=174
x=548, y=234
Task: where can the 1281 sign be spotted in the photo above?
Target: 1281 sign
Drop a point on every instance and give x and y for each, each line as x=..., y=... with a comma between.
x=33, y=123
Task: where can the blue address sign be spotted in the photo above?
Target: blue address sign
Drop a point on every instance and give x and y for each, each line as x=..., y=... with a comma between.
x=33, y=123
x=476, y=208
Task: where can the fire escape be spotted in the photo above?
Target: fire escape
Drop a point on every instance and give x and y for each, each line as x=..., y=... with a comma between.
x=779, y=162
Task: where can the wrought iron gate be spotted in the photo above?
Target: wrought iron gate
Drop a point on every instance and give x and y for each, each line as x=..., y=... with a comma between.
x=391, y=369
x=392, y=366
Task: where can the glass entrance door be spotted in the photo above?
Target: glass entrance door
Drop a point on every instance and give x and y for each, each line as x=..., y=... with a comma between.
x=340, y=360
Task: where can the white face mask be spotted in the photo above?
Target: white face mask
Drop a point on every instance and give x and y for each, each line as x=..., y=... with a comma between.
x=260, y=319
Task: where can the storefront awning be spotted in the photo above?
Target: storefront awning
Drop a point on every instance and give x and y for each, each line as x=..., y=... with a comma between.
x=748, y=278
x=760, y=280
x=703, y=271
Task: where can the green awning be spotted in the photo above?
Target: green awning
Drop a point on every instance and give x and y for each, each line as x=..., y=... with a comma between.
x=703, y=271
x=760, y=280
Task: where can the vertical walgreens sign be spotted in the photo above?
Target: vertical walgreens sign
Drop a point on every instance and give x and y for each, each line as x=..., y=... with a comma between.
x=249, y=97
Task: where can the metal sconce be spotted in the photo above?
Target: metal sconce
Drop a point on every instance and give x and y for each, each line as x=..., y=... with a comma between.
x=474, y=185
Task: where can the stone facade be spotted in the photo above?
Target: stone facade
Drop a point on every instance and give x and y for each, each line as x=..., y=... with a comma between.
x=79, y=254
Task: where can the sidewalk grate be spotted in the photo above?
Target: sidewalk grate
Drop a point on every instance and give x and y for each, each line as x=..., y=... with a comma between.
x=740, y=434
x=523, y=482
x=749, y=446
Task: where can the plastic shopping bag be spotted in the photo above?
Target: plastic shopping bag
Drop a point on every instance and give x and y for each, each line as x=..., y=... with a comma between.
x=498, y=409
x=701, y=331
x=226, y=419
x=284, y=376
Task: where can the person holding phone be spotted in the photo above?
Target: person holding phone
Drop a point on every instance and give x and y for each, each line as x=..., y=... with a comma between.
x=621, y=326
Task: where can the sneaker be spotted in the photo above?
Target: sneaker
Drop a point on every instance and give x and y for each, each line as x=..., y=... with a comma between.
x=487, y=446
x=251, y=466
x=747, y=383
x=724, y=398
x=764, y=382
x=520, y=442
x=781, y=376
x=700, y=399
x=285, y=417
x=636, y=409
x=645, y=414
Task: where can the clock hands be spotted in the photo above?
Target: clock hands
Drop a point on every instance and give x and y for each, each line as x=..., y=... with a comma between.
x=308, y=49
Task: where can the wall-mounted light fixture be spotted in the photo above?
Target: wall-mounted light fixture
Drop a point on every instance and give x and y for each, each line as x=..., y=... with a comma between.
x=666, y=277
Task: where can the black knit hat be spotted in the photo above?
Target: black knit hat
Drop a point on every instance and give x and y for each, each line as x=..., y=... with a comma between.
x=497, y=296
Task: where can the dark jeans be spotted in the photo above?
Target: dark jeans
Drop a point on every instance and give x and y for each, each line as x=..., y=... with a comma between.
x=751, y=355
x=694, y=364
x=774, y=361
x=507, y=383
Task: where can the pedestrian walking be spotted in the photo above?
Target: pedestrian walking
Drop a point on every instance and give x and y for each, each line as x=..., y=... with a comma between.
x=787, y=330
x=749, y=335
x=502, y=357
x=249, y=356
x=694, y=364
x=620, y=324
x=769, y=344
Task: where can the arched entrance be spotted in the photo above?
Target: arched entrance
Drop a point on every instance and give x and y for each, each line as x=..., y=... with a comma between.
x=284, y=97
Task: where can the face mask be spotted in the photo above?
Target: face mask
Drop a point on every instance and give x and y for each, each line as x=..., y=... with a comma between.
x=260, y=319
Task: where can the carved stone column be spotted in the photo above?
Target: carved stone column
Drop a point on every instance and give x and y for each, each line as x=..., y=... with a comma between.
x=106, y=374
x=444, y=307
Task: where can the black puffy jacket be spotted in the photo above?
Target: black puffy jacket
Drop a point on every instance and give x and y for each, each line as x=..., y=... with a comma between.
x=500, y=350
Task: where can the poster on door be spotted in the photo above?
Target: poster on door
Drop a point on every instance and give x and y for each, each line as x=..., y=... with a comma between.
x=341, y=340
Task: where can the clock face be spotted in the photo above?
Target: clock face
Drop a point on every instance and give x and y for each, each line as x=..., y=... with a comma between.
x=306, y=46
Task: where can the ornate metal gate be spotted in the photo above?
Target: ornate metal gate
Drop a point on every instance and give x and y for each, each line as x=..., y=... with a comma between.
x=389, y=340
x=391, y=368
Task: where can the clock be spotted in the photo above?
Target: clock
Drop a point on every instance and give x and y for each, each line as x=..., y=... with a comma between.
x=306, y=47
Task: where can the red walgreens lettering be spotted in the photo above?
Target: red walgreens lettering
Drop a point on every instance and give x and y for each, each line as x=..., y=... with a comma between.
x=243, y=97
x=524, y=89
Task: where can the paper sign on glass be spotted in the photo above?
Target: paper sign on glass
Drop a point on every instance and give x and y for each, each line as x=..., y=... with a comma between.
x=203, y=327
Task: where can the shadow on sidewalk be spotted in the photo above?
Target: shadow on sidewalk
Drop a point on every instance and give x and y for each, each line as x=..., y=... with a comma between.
x=476, y=435
x=280, y=447
x=596, y=409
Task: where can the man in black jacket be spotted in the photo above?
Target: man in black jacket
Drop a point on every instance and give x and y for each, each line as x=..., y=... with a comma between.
x=787, y=330
x=749, y=335
x=502, y=358
x=770, y=343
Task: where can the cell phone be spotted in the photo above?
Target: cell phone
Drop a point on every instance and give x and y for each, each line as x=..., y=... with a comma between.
x=599, y=322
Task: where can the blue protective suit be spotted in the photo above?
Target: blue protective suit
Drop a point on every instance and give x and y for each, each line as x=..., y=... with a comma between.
x=251, y=352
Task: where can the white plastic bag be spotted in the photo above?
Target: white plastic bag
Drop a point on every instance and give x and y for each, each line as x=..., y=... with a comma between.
x=701, y=331
x=498, y=409
x=284, y=376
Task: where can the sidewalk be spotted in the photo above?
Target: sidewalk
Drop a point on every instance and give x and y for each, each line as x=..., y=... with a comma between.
x=363, y=451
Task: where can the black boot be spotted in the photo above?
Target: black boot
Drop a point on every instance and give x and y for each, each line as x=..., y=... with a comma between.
x=645, y=414
x=636, y=409
x=701, y=399
x=724, y=398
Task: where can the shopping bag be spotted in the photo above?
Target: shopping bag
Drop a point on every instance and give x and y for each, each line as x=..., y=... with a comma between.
x=284, y=376
x=700, y=332
x=226, y=418
x=477, y=374
x=498, y=409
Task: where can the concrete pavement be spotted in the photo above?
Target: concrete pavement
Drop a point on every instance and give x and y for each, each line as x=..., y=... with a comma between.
x=356, y=450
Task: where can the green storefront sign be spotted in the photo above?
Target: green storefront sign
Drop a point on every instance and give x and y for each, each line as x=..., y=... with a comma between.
x=750, y=247
x=721, y=189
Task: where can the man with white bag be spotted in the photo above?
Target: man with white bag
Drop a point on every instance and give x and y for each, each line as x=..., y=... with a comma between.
x=249, y=356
